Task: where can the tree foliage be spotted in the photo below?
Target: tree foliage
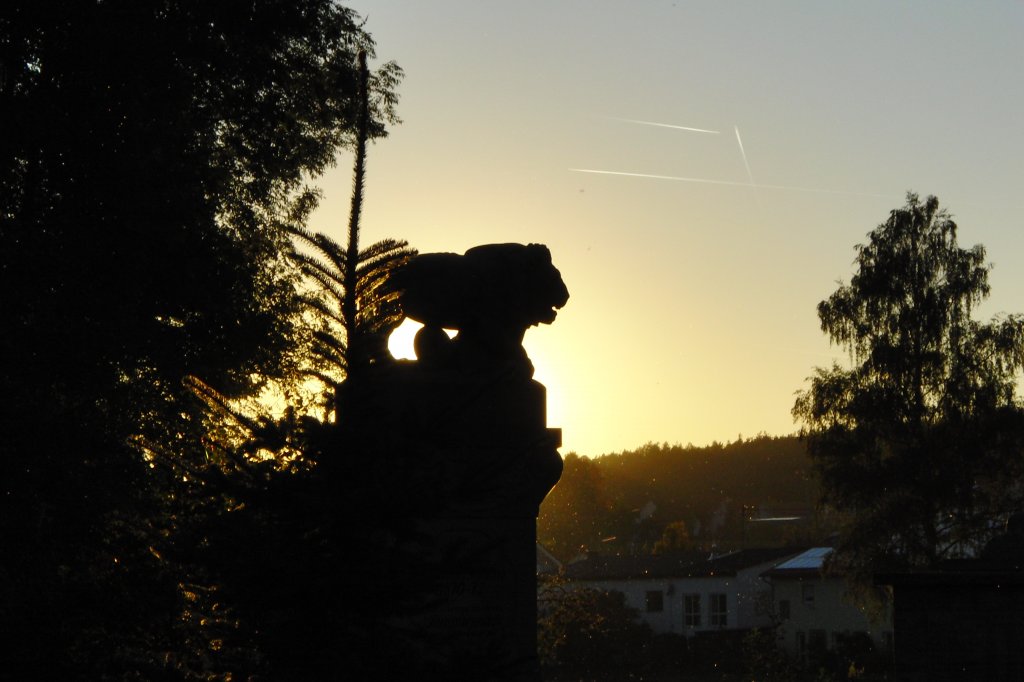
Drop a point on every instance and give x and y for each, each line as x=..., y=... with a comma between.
x=277, y=552
x=623, y=502
x=578, y=513
x=587, y=632
x=917, y=441
x=674, y=538
x=152, y=157
x=375, y=305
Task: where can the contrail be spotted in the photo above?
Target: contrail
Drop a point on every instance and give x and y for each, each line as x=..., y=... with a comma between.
x=663, y=125
x=746, y=165
x=660, y=177
x=723, y=182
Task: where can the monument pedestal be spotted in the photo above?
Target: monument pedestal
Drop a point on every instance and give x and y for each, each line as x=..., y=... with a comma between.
x=455, y=457
x=478, y=615
x=465, y=466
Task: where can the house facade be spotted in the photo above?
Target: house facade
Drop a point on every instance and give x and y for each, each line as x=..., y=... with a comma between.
x=811, y=609
x=687, y=593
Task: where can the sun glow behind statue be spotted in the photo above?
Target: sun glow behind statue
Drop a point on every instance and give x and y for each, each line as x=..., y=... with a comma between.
x=400, y=343
x=401, y=347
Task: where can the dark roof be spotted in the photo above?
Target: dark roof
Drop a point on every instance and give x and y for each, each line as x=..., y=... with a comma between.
x=674, y=565
x=733, y=563
x=611, y=566
x=546, y=561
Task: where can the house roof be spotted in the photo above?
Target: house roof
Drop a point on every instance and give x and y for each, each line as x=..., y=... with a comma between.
x=804, y=564
x=546, y=561
x=612, y=566
x=673, y=565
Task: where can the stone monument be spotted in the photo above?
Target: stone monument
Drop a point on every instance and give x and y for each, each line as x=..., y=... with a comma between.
x=461, y=460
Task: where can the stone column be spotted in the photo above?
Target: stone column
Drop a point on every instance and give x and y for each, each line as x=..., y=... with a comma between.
x=457, y=457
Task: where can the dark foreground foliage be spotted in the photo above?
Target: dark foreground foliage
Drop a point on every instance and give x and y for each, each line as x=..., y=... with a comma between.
x=591, y=634
x=152, y=158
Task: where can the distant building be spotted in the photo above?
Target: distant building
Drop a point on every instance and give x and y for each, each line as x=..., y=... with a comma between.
x=811, y=610
x=687, y=593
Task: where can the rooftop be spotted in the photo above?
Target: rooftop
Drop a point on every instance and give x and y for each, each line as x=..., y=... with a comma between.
x=674, y=565
x=808, y=562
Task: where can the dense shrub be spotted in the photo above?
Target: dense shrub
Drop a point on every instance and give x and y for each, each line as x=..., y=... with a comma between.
x=593, y=633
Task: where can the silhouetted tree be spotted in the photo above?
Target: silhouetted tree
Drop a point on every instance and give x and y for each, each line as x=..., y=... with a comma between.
x=294, y=574
x=578, y=513
x=675, y=537
x=152, y=155
x=376, y=312
x=592, y=633
x=918, y=441
x=354, y=308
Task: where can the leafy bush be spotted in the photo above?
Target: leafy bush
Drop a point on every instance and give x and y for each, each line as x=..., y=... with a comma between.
x=582, y=631
x=765, y=661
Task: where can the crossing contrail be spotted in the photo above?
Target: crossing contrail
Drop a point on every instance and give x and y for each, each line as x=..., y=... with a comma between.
x=723, y=182
x=663, y=125
x=746, y=164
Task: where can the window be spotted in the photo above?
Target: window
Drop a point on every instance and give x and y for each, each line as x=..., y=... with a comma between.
x=691, y=610
x=655, y=601
x=783, y=609
x=817, y=642
x=718, y=617
x=807, y=592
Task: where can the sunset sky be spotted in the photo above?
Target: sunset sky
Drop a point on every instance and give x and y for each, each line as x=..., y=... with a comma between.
x=696, y=258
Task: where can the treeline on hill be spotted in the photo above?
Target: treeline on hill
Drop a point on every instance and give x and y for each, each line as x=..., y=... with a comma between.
x=755, y=492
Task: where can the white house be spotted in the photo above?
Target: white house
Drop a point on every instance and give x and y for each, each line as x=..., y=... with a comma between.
x=687, y=593
x=811, y=609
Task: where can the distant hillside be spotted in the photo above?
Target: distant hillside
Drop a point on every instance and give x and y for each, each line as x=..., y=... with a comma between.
x=726, y=495
x=683, y=481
